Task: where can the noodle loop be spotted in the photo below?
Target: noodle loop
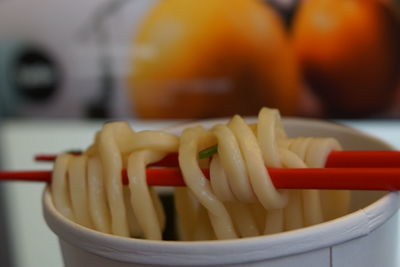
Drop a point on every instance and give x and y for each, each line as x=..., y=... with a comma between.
x=238, y=201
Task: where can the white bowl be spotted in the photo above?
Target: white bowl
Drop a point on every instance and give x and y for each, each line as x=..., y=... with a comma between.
x=366, y=237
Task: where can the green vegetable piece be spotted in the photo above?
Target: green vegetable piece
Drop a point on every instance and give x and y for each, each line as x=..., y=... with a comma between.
x=208, y=152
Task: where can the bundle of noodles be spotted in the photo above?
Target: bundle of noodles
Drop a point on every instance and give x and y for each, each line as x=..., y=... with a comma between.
x=88, y=189
x=238, y=201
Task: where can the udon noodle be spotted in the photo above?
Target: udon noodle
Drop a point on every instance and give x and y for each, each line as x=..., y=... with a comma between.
x=238, y=201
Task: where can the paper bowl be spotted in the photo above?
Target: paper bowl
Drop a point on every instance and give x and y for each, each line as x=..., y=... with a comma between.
x=368, y=236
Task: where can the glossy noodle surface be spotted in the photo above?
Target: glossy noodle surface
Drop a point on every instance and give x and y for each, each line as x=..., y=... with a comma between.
x=238, y=201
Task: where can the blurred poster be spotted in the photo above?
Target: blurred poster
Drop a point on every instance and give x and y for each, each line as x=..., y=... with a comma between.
x=199, y=59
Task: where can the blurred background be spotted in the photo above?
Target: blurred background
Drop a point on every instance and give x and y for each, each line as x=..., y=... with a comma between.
x=156, y=59
x=75, y=64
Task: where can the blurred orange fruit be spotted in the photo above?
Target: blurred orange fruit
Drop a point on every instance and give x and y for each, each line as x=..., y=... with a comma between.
x=212, y=58
x=349, y=52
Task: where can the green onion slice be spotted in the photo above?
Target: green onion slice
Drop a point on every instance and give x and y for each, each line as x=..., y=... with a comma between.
x=208, y=152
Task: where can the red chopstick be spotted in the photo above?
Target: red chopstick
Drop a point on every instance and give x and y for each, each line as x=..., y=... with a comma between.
x=308, y=178
x=342, y=159
x=363, y=170
x=361, y=159
x=171, y=160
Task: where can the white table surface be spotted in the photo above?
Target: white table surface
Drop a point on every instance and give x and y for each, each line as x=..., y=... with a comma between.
x=35, y=245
